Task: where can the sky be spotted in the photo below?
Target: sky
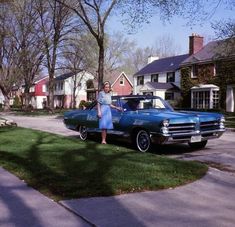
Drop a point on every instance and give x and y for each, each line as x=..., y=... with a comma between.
x=176, y=28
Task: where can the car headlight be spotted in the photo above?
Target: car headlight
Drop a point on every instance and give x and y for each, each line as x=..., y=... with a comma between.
x=221, y=123
x=165, y=125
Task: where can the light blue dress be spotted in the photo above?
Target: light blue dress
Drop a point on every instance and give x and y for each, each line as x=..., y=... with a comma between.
x=105, y=122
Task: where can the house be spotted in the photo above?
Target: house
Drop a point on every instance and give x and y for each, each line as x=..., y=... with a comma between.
x=160, y=77
x=38, y=92
x=70, y=89
x=208, y=74
x=121, y=84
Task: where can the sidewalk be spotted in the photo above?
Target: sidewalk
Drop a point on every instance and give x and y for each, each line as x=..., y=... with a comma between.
x=22, y=206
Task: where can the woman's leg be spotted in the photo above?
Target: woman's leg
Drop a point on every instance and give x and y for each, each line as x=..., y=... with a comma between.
x=103, y=135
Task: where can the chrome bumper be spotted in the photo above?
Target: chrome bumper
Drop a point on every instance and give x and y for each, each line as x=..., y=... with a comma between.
x=185, y=137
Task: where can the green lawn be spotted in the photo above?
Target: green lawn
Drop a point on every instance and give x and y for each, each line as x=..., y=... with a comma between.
x=64, y=168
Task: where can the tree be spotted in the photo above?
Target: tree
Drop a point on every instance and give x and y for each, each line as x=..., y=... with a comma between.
x=8, y=55
x=94, y=15
x=26, y=35
x=55, y=23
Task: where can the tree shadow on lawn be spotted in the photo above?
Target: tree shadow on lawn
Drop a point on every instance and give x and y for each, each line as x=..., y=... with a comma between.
x=82, y=171
x=167, y=149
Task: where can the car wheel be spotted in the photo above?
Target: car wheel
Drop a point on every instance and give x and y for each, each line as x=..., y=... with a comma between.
x=83, y=132
x=198, y=145
x=143, y=141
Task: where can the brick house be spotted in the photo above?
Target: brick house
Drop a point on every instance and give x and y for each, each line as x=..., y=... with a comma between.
x=208, y=75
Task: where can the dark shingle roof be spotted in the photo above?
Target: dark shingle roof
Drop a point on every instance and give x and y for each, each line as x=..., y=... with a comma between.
x=64, y=76
x=169, y=64
x=211, y=51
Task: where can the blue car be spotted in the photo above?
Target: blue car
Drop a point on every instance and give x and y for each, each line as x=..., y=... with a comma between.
x=149, y=120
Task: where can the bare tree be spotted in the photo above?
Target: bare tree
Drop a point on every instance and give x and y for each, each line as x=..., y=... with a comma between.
x=55, y=24
x=94, y=15
x=28, y=41
x=8, y=56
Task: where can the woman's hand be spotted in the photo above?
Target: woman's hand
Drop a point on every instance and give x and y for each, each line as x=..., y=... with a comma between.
x=99, y=115
x=119, y=108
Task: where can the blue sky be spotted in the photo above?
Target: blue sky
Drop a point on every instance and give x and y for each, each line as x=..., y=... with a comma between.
x=176, y=28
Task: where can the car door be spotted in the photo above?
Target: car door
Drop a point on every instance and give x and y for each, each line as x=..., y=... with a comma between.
x=92, y=120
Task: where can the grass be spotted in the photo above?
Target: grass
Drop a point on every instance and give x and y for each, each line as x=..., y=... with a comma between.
x=65, y=168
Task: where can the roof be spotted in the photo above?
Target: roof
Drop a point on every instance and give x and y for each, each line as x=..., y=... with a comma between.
x=213, y=50
x=112, y=77
x=169, y=64
x=64, y=76
x=161, y=86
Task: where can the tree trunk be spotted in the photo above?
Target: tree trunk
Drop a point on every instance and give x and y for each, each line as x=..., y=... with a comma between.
x=101, y=64
x=51, y=92
x=6, y=103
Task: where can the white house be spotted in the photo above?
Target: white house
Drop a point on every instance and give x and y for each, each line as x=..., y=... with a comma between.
x=160, y=77
x=69, y=86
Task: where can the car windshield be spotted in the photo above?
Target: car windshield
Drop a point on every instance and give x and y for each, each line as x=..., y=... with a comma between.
x=142, y=103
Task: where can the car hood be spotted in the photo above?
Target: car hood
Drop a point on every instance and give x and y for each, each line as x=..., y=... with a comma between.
x=182, y=116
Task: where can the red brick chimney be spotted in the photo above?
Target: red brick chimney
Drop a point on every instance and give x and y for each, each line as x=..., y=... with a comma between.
x=195, y=43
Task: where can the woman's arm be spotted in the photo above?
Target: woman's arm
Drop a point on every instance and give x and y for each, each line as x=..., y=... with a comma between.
x=99, y=110
x=116, y=107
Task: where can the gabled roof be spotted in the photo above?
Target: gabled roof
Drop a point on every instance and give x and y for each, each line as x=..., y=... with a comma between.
x=169, y=64
x=64, y=76
x=112, y=77
x=212, y=51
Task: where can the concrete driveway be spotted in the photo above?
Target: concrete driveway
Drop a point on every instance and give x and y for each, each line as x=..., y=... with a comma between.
x=206, y=202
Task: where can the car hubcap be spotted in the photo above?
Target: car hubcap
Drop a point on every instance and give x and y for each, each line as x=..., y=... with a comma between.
x=143, y=141
x=83, y=132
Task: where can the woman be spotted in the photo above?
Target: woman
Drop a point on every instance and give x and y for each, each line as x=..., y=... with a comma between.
x=104, y=110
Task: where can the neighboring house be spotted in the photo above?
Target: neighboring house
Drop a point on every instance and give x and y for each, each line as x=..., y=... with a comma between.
x=160, y=77
x=208, y=74
x=70, y=89
x=121, y=84
x=38, y=92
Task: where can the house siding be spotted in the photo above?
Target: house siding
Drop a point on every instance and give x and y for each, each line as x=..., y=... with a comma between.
x=124, y=89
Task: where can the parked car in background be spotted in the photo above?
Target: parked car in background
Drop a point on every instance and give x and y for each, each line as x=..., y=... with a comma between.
x=149, y=120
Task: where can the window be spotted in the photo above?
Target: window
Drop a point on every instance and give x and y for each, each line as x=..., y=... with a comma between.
x=170, y=77
x=169, y=96
x=121, y=81
x=154, y=78
x=140, y=80
x=205, y=99
x=194, y=73
x=43, y=88
x=61, y=86
x=201, y=99
x=91, y=95
x=32, y=89
x=215, y=97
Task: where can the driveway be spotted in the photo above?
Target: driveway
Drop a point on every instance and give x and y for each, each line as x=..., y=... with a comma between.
x=207, y=202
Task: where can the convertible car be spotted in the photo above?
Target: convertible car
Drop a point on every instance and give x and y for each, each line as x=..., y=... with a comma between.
x=148, y=120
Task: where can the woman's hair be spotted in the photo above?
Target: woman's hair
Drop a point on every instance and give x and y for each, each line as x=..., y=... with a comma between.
x=105, y=83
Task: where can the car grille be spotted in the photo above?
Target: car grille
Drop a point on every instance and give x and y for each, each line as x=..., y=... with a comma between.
x=209, y=125
x=181, y=128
